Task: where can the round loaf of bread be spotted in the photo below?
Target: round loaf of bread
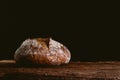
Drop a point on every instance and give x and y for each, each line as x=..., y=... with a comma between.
x=42, y=51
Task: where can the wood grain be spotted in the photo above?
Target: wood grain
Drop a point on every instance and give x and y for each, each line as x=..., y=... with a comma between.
x=9, y=70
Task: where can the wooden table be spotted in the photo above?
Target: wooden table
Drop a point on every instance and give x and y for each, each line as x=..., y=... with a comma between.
x=9, y=70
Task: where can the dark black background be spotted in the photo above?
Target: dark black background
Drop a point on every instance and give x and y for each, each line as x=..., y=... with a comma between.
x=90, y=31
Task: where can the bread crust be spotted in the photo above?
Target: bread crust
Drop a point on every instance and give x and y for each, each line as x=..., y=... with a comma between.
x=42, y=51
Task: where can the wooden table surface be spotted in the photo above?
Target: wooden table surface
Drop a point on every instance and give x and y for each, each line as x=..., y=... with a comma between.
x=9, y=70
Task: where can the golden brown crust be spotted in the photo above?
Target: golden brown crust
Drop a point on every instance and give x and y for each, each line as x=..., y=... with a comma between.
x=43, y=51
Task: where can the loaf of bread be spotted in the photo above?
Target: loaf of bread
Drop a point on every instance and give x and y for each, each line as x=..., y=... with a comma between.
x=42, y=51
